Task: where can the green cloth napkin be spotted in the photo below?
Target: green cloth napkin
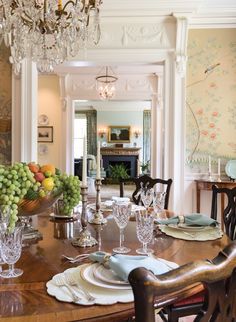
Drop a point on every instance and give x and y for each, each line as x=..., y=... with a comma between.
x=194, y=219
x=122, y=265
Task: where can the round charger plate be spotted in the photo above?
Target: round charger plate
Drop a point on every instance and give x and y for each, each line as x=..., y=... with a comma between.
x=107, y=275
x=202, y=235
x=230, y=169
x=87, y=273
x=103, y=296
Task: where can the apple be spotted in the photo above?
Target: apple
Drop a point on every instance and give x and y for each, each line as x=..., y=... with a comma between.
x=39, y=176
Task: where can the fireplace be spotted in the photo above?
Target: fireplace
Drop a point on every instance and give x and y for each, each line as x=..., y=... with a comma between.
x=127, y=156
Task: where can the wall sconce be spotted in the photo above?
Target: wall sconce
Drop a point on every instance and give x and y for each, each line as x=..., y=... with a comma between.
x=137, y=133
x=102, y=132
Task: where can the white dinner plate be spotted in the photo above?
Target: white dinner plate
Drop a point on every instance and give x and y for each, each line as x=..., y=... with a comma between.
x=107, y=275
x=190, y=228
x=87, y=273
x=103, y=296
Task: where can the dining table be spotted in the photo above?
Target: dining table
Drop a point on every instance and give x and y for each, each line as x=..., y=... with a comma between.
x=25, y=298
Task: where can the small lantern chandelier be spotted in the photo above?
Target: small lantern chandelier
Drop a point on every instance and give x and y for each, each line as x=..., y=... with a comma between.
x=48, y=32
x=105, y=84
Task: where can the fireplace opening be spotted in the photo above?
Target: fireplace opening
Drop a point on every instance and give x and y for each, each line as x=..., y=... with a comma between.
x=126, y=164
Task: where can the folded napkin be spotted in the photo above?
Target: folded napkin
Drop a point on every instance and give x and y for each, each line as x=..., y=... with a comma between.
x=194, y=219
x=121, y=199
x=122, y=265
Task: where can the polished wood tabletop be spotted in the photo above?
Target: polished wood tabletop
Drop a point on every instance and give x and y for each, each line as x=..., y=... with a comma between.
x=25, y=299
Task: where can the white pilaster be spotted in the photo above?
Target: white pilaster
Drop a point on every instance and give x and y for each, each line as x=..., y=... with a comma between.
x=176, y=129
x=16, y=117
x=67, y=128
x=24, y=118
x=156, y=130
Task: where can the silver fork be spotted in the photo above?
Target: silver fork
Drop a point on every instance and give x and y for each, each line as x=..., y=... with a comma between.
x=59, y=280
x=71, y=280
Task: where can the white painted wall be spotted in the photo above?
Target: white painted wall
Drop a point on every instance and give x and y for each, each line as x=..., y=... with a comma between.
x=49, y=104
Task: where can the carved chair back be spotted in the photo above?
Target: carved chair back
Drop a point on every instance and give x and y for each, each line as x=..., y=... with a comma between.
x=218, y=277
x=147, y=182
x=229, y=214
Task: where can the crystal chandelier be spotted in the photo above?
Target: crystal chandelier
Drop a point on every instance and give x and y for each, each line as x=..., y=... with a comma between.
x=105, y=84
x=48, y=32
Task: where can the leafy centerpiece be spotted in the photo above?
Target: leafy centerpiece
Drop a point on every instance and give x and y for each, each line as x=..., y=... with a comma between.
x=29, y=189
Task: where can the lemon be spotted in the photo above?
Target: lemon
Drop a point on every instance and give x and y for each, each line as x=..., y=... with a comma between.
x=48, y=184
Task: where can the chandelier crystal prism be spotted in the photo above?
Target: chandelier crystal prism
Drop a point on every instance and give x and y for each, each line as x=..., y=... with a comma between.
x=48, y=32
x=105, y=84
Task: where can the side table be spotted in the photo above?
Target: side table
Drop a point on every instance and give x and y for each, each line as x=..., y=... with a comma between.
x=207, y=185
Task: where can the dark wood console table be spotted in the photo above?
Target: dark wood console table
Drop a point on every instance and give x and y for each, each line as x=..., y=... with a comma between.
x=207, y=185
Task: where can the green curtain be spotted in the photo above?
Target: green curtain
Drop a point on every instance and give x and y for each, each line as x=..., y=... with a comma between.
x=146, y=135
x=92, y=132
x=91, y=116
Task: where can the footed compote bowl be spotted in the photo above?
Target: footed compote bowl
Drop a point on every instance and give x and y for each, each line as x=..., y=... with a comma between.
x=28, y=208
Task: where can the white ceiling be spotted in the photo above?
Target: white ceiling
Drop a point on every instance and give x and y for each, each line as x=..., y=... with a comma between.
x=201, y=13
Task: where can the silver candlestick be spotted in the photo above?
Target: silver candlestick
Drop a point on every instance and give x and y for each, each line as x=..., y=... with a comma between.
x=84, y=239
x=218, y=178
x=98, y=218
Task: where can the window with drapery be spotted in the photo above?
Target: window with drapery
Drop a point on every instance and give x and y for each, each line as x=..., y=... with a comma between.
x=85, y=122
x=146, y=136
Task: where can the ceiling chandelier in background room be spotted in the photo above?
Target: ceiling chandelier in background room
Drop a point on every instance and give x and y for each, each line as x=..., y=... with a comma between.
x=48, y=31
x=105, y=84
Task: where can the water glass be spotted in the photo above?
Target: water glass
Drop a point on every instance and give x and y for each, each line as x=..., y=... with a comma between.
x=11, y=246
x=144, y=230
x=4, y=221
x=121, y=214
x=147, y=196
x=159, y=203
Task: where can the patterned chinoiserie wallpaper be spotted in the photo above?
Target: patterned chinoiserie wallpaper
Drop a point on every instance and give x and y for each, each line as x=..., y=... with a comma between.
x=5, y=106
x=211, y=97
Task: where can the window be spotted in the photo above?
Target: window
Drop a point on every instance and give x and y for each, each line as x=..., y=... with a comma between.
x=80, y=128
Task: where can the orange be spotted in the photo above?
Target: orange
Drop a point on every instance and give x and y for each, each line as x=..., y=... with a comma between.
x=48, y=168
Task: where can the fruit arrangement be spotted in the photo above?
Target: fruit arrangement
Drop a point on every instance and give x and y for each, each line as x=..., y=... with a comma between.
x=27, y=187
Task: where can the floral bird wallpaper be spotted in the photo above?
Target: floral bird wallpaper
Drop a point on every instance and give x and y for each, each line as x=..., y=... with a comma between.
x=211, y=96
x=5, y=106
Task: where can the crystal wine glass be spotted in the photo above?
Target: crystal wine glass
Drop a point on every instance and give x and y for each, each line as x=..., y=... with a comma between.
x=144, y=230
x=121, y=214
x=11, y=246
x=147, y=196
x=4, y=221
x=159, y=203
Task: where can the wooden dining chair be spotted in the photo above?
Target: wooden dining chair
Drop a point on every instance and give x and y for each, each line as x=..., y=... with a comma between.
x=191, y=305
x=229, y=213
x=218, y=277
x=148, y=182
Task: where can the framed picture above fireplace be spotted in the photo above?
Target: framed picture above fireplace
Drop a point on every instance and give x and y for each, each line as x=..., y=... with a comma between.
x=118, y=134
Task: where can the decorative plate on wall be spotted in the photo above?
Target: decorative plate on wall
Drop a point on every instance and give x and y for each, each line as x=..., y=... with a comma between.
x=43, y=119
x=230, y=169
x=42, y=149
